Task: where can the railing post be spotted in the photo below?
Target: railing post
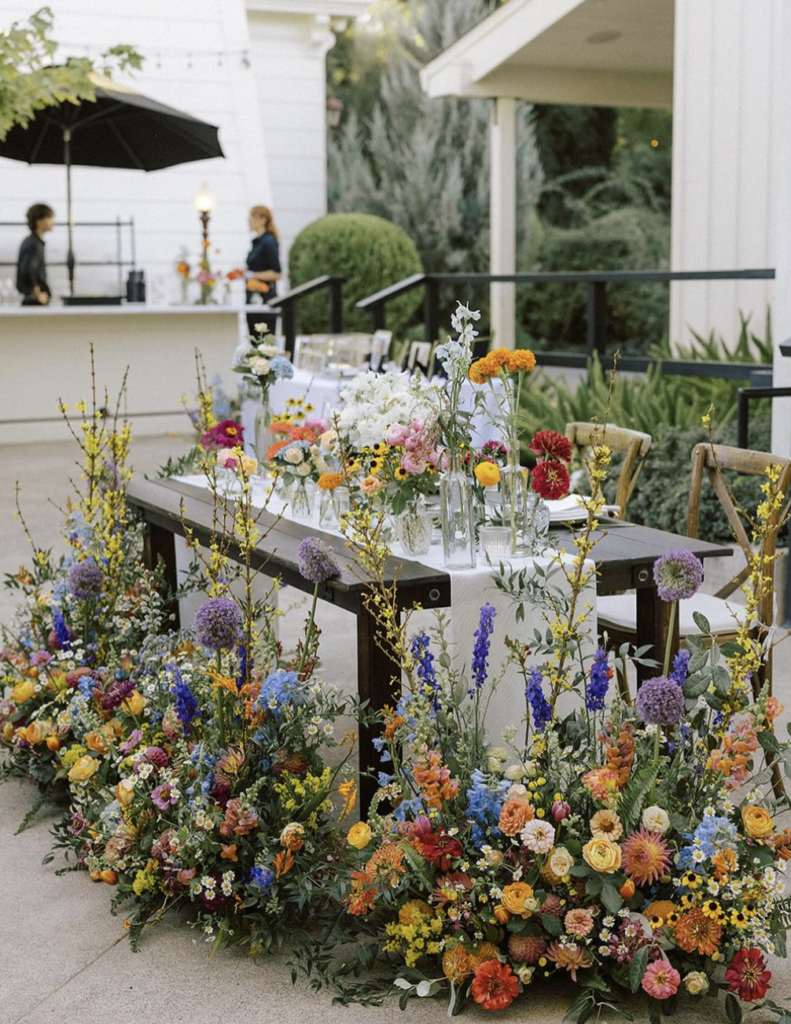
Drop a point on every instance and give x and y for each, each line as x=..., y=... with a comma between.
x=743, y=413
x=431, y=309
x=288, y=319
x=597, y=317
x=378, y=317
x=336, y=305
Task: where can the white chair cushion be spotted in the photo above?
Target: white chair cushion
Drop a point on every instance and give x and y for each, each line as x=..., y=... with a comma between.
x=618, y=611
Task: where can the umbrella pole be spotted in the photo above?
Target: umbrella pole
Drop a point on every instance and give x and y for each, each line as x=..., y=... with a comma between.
x=70, y=224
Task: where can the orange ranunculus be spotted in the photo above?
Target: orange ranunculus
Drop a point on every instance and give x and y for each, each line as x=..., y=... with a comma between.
x=501, y=915
x=758, y=822
x=83, y=769
x=109, y=876
x=514, y=815
x=627, y=890
x=53, y=743
x=23, y=691
x=97, y=741
x=36, y=732
x=518, y=899
x=487, y=474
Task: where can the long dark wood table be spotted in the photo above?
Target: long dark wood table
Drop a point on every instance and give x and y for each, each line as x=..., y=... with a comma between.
x=624, y=556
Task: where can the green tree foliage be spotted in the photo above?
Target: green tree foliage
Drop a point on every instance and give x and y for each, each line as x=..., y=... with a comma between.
x=370, y=252
x=30, y=80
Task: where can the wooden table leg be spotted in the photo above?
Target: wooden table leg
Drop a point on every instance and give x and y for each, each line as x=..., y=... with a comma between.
x=378, y=679
x=653, y=627
x=159, y=550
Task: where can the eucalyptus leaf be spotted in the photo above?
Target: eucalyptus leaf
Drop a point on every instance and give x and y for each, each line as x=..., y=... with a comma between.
x=702, y=623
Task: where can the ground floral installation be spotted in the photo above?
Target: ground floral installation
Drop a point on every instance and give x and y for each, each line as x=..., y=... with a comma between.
x=629, y=843
x=192, y=761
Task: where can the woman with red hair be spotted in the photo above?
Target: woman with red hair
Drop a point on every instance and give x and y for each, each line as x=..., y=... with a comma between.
x=263, y=264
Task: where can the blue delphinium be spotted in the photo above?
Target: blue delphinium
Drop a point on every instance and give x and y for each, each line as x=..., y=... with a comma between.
x=483, y=807
x=680, y=667
x=426, y=672
x=713, y=834
x=480, y=652
x=241, y=678
x=61, y=630
x=409, y=809
x=534, y=691
x=186, y=702
x=261, y=878
x=86, y=685
x=279, y=689
x=596, y=689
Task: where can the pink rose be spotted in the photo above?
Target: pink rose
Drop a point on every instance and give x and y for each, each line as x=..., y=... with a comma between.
x=413, y=462
x=396, y=435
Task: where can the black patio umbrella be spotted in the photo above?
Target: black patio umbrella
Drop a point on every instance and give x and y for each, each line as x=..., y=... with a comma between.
x=122, y=128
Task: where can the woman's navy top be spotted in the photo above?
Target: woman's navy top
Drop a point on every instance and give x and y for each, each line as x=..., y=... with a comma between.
x=265, y=255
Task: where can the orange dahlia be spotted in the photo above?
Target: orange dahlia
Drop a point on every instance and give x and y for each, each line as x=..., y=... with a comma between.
x=645, y=856
x=696, y=933
x=569, y=956
x=494, y=986
x=458, y=963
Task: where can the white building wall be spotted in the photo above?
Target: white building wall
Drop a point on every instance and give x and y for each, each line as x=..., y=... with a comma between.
x=289, y=60
x=781, y=407
x=724, y=216
x=195, y=61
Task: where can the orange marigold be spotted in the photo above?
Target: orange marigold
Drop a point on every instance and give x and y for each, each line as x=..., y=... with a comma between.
x=480, y=370
x=696, y=933
x=520, y=359
x=329, y=481
x=724, y=862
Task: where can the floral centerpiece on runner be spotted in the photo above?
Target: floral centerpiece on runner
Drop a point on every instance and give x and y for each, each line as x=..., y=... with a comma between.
x=259, y=363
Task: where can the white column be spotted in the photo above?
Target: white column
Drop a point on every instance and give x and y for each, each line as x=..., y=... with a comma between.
x=781, y=326
x=502, y=213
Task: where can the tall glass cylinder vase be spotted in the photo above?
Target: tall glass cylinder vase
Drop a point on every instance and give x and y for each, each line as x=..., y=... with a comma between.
x=537, y=519
x=513, y=499
x=457, y=500
x=263, y=439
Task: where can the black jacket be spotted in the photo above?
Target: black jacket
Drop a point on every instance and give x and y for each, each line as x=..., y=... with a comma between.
x=265, y=255
x=31, y=268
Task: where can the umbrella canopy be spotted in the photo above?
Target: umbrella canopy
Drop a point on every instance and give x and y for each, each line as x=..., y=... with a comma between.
x=122, y=128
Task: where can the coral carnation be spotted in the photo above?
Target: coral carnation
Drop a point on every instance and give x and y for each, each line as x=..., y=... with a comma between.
x=645, y=856
x=494, y=986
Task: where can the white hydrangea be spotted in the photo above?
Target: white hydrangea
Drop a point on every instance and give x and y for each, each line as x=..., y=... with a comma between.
x=373, y=402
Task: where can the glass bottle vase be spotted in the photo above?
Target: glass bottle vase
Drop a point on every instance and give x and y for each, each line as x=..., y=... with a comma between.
x=414, y=527
x=301, y=500
x=263, y=439
x=512, y=496
x=537, y=519
x=457, y=501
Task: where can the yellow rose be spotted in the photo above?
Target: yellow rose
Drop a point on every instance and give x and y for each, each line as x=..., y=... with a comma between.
x=359, y=835
x=518, y=899
x=23, y=691
x=97, y=741
x=487, y=474
x=125, y=791
x=36, y=732
x=293, y=836
x=696, y=983
x=134, y=703
x=758, y=822
x=602, y=855
x=83, y=769
x=249, y=464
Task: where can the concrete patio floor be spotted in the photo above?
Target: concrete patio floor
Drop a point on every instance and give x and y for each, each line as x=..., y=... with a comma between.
x=67, y=961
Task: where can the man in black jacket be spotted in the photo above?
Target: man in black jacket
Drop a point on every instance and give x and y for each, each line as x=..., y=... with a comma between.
x=31, y=267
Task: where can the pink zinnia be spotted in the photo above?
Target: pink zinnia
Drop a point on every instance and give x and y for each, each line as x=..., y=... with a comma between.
x=661, y=980
x=578, y=922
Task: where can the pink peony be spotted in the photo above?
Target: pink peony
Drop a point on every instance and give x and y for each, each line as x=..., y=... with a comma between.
x=396, y=435
x=413, y=462
x=661, y=980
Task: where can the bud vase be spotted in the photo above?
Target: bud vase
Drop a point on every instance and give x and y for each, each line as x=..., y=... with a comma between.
x=537, y=520
x=457, y=500
x=300, y=500
x=263, y=439
x=414, y=527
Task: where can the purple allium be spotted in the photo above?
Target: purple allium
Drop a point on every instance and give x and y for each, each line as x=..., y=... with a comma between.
x=678, y=575
x=85, y=581
x=534, y=691
x=165, y=795
x=317, y=561
x=680, y=667
x=480, y=652
x=218, y=624
x=116, y=693
x=600, y=675
x=660, y=701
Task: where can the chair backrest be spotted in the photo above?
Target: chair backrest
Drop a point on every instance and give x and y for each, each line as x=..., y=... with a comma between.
x=709, y=459
x=634, y=445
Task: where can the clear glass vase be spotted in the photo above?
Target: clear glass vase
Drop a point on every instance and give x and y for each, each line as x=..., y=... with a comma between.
x=513, y=502
x=263, y=439
x=414, y=527
x=300, y=501
x=457, y=501
x=537, y=520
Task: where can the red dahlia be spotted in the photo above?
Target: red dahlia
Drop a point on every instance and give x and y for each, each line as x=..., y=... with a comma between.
x=550, y=480
x=747, y=975
x=551, y=445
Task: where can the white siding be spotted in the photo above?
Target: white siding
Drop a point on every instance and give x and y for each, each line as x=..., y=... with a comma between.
x=724, y=160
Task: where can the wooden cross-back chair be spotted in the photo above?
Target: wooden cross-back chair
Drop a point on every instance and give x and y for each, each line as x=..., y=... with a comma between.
x=617, y=613
x=634, y=444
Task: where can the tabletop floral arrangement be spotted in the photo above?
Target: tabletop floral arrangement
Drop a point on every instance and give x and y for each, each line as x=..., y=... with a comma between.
x=374, y=403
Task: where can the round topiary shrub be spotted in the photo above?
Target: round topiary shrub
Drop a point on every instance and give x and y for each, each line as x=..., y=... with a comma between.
x=370, y=252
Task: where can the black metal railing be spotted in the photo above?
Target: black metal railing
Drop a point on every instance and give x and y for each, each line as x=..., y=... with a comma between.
x=288, y=305
x=120, y=262
x=596, y=317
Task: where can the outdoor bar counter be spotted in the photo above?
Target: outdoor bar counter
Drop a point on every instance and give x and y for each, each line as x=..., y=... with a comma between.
x=45, y=353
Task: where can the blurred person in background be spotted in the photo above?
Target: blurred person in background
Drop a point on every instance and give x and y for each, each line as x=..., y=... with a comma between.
x=31, y=266
x=263, y=265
